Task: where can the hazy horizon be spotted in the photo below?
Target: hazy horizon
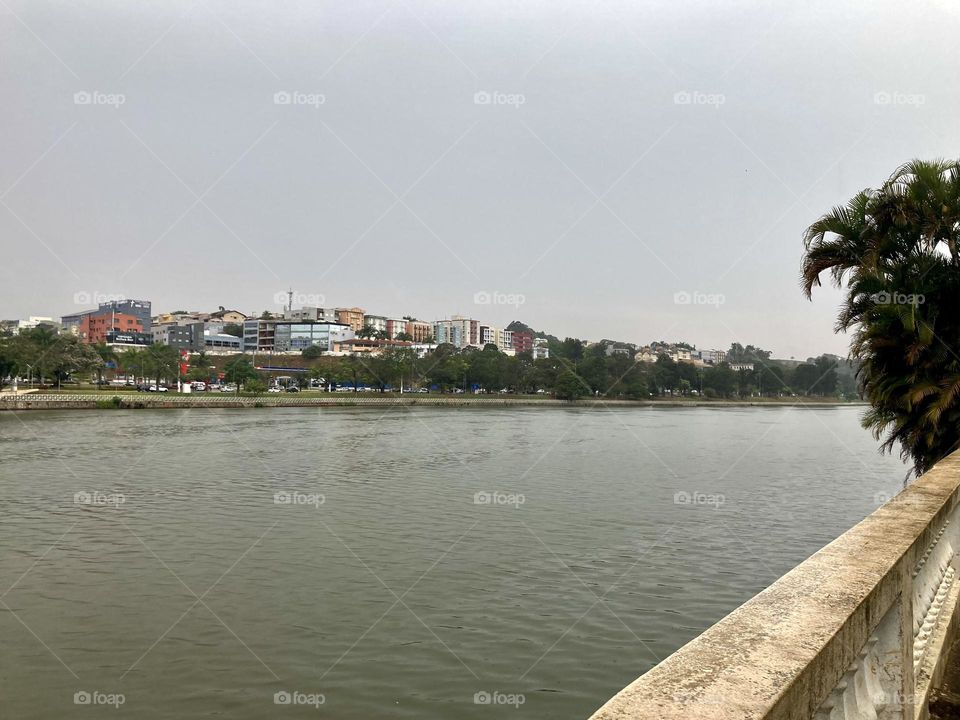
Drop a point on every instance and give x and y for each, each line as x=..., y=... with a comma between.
x=597, y=159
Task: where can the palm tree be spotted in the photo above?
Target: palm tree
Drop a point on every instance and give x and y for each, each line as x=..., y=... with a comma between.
x=895, y=250
x=131, y=361
x=163, y=361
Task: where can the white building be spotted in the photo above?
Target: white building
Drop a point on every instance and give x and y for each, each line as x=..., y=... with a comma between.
x=541, y=349
x=16, y=326
x=458, y=331
x=377, y=322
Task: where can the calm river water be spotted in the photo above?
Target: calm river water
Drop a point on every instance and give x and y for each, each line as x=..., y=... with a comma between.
x=409, y=564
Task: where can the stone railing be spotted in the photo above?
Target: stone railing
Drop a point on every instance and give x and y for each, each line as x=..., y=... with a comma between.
x=857, y=631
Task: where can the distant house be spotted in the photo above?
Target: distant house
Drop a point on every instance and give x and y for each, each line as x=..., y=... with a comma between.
x=227, y=317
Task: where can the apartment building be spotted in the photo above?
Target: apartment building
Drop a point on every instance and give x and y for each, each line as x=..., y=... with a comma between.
x=350, y=316
x=490, y=335
x=420, y=331
x=377, y=322
x=458, y=331
x=523, y=342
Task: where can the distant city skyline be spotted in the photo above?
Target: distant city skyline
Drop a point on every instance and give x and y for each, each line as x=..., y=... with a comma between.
x=605, y=162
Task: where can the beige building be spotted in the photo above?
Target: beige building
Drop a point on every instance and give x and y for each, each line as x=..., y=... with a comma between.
x=227, y=317
x=351, y=316
x=420, y=331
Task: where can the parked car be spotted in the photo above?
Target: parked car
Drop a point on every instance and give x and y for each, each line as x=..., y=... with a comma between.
x=228, y=388
x=198, y=386
x=275, y=389
x=423, y=390
x=157, y=388
x=293, y=388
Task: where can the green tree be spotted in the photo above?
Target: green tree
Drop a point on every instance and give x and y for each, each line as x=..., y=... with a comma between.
x=234, y=329
x=108, y=357
x=896, y=253
x=255, y=386
x=720, y=380
x=38, y=348
x=350, y=370
x=9, y=360
x=312, y=352
x=133, y=361
x=239, y=370
x=162, y=361
x=569, y=386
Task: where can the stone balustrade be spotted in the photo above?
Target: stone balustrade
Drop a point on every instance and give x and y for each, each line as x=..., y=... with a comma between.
x=859, y=631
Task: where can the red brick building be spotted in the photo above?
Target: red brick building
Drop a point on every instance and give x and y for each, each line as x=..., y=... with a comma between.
x=95, y=326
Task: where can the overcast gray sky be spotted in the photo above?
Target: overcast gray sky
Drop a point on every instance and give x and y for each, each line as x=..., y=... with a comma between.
x=590, y=160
